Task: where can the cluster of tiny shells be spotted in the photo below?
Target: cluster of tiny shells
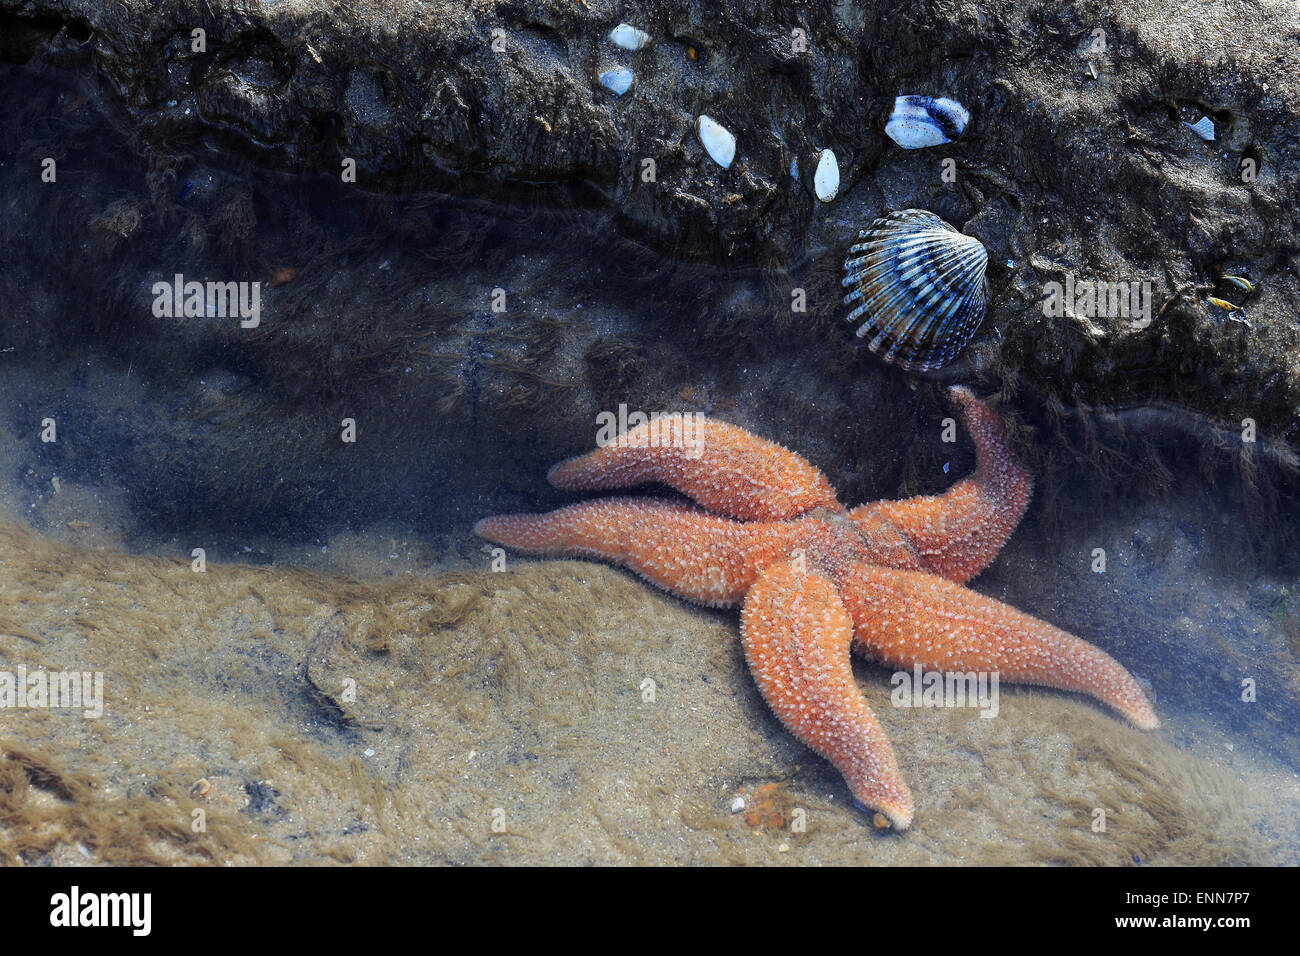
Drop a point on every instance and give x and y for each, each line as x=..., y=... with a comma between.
x=718, y=141
x=918, y=284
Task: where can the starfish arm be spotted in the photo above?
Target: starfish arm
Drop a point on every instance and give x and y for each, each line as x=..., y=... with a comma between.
x=721, y=466
x=693, y=554
x=796, y=635
x=906, y=618
x=959, y=533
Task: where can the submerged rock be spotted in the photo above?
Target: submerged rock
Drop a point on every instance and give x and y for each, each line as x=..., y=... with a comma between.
x=470, y=98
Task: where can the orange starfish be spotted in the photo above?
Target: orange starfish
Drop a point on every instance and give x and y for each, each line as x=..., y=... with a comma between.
x=815, y=578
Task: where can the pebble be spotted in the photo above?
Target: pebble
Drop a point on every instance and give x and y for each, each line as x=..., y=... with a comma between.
x=737, y=805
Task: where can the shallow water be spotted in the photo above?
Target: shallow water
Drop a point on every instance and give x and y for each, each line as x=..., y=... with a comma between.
x=349, y=680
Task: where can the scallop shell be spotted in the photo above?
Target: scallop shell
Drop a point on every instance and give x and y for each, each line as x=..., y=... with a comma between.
x=920, y=284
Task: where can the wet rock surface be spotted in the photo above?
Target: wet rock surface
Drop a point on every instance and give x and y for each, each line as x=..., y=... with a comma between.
x=1078, y=160
x=473, y=344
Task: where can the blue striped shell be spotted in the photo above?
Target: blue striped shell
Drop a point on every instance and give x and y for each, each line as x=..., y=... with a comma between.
x=920, y=121
x=920, y=285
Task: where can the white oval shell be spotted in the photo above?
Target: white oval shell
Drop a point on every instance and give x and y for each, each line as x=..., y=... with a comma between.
x=618, y=80
x=920, y=121
x=628, y=37
x=1203, y=127
x=716, y=140
x=826, y=180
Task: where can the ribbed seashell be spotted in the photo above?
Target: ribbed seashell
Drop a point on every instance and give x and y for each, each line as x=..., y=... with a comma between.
x=920, y=285
x=1203, y=127
x=920, y=121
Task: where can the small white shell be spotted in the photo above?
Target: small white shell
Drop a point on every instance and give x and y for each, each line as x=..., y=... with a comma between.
x=618, y=80
x=1203, y=127
x=628, y=37
x=716, y=140
x=920, y=121
x=826, y=180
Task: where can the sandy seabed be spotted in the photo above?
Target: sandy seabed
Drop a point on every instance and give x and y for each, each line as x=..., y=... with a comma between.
x=479, y=717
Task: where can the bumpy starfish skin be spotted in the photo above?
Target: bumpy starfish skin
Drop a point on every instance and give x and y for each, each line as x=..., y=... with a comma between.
x=816, y=579
x=959, y=533
x=724, y=468
x=796, y=635
x=907, y=618
x=694, y=554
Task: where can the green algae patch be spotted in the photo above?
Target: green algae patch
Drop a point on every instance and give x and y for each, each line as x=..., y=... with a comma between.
x=557, y=712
